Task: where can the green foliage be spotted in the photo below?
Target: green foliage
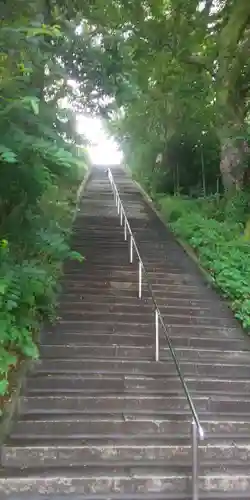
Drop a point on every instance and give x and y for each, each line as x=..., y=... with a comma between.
x=28, y=291
x=174, y=208
x=238, y=207
x=220, y=246
x=178, y=72
x=39, y=171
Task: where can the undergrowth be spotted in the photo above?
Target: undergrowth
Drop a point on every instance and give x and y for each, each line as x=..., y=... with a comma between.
x=39, y=176
x=29, y=273
x=218, y=232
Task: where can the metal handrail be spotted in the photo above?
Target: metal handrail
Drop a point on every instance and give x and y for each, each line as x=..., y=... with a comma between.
x=196, y=430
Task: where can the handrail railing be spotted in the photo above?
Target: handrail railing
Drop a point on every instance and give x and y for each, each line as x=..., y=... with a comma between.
x=197, y=432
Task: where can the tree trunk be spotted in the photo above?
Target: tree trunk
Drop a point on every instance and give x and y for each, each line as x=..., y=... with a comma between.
x=231, y=96
x=233, y=164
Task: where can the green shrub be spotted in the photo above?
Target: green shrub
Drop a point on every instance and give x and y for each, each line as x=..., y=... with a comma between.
x=237, y=209
x=28, y=287
x=40, y=169
x=219, y=244
x=173, y=208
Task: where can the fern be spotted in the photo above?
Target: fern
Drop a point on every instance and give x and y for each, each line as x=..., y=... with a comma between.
x=39, y=173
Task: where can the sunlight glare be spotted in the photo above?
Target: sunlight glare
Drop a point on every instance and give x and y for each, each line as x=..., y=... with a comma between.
x=103, y=150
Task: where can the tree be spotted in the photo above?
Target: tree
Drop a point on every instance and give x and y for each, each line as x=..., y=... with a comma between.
x=186, y=62
x=38, y=170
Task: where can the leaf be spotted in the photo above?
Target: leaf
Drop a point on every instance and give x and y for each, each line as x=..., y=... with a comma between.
x=35, y=106
x=3, y=287
x=32, y=103
x=31, y=351
x=3, y=386
x=77, y=256
x=7, y=154
x=43, y=30
x=6, y=361
x=10, y=305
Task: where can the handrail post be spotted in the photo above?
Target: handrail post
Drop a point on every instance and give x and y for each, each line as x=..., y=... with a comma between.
x=121, y=218
x=140, y=279
x=125, y=229
x=157, y=356
x=131, y=249
x=195, y=461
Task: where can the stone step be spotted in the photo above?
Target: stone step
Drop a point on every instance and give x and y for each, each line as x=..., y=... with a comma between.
x=99, y=326
x=143, y=385
x=148, y=250
x=120, y=259
x=94, y=484
x=127, y=272
x=97, y=295
x=79, y=300
x=77, y=427
x=135, y=496
x=132, y=277
x=121, y=404
x=146, y=318
x=142, y=311
x=131, y=340
x=145, y=367
x=120, y=289
x=145, y=306
x=127, y=301
x=132, y=404
x=92, y=248
x=129, y=294
x=101, y=246
x=128, y=289
x=143, y=319
x=133, y=352
x=75, y=269
x=137, y=317
x=93, y=285
x=125, y=330
x=116, y=241
x=163, y=453
x=111, y=496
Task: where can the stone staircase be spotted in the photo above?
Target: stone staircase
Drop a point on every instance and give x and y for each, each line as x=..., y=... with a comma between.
x=98, y=418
